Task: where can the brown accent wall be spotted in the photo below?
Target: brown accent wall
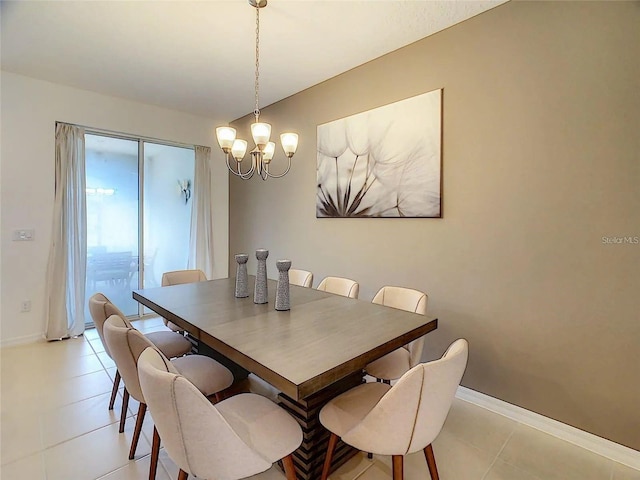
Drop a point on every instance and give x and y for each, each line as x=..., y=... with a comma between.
x=541, y=160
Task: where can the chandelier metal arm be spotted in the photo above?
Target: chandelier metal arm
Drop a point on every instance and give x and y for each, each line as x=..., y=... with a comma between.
x=271, y=175
x=239, y=173
x=262, y=168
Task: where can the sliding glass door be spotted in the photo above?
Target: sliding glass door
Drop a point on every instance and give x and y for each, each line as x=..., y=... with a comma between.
x=138, y=215
x=168, y=178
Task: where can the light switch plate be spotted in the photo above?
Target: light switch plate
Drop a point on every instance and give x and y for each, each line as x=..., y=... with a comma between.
x=24, y=235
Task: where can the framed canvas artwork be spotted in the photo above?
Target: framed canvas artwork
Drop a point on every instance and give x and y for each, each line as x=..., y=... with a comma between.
x=385, y=162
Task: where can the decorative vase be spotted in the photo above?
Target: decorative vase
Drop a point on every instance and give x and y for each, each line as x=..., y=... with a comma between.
x=282, y=291
x=242, y=279
x=260, y=294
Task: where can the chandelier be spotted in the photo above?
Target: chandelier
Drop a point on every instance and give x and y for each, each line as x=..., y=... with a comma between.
x=264, y=150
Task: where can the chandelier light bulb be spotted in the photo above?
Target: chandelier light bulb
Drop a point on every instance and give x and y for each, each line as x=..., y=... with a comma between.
x=261, y=132
x=289, y=143
x=269, y=150
x=239, y=149
x=226, y=136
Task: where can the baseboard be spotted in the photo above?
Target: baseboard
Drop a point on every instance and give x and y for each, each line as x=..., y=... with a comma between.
x=614, y=451
x=12, y=342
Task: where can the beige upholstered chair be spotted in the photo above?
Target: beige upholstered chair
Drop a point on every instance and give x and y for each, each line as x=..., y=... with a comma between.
x=126, y=344
x=236, y=438
x=301, y=278
x=169, y=343
x=395, y=364
x=178, y=277
x=401, y=419
x=340, y=286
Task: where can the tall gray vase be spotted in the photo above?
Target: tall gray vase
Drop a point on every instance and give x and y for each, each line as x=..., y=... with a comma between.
x=242, y=279
x=282, y=291
x=260, y=294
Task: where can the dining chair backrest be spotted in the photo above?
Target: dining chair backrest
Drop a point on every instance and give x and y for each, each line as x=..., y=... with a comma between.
x=302, y=278
x=402, y=298
x=194, y=433
x=410, y=300
x=178, y=277
x=340, y=286
x=101, y=308
x=411, y=414
x=126, y=344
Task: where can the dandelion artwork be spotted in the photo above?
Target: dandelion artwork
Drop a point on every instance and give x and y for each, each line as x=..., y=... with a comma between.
x=385, y=162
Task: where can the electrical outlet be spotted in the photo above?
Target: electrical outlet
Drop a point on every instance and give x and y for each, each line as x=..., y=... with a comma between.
x=25, y=306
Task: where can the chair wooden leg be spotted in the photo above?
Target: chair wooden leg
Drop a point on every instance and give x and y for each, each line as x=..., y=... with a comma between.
x=114, y=390
x=431, y=462
x=183, y=475
x=155, y=453
x=142, y=409
x=333, y=440
x=125, y=405
x=397, y=467
x=289, y=468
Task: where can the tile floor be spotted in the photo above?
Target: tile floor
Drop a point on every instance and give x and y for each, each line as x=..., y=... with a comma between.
x=56, y=426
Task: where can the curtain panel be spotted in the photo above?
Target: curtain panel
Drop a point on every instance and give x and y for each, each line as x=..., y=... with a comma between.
x=201, y=240
x=66, y=269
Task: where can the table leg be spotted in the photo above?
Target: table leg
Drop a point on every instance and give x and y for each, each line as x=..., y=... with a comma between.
x=309, y=458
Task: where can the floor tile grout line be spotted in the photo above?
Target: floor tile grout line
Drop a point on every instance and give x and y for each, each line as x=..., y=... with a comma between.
x=573, y=445
x=524, y=425
x=21, y=457
x=43, y=452
x=84, y=339
x=363, y=471
x=56, y=407
x=168, y=458
x=533, y=475
x=135, y=460
x=495, y=459
x=43, y=447
x=39, y=453
x=78, y=436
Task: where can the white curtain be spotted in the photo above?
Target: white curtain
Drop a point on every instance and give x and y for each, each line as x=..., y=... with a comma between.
x=66, y=270
x=201, y=242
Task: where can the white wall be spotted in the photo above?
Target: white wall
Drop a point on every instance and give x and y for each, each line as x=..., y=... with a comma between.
x=29, y=110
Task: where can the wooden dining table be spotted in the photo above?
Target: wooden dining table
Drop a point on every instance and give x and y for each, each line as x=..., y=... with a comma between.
x=310, y=353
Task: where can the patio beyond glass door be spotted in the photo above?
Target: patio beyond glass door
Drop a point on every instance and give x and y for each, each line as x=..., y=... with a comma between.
x=120, y=172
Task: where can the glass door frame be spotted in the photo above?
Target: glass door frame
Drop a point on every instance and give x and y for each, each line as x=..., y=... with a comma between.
x=141, y=141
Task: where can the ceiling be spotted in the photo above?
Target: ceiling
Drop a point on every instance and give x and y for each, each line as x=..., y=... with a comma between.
x=198, y=56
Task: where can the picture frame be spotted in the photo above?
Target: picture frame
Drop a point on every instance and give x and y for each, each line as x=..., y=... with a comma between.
x=384, y=162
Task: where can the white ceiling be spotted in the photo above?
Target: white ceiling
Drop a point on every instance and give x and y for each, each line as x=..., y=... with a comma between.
x=198, y=56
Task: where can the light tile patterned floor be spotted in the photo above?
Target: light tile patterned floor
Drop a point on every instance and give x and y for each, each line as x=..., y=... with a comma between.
x=56, y=426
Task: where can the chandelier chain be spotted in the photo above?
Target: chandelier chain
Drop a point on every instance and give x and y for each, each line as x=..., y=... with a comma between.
x=235, y=148
x=256, y=112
